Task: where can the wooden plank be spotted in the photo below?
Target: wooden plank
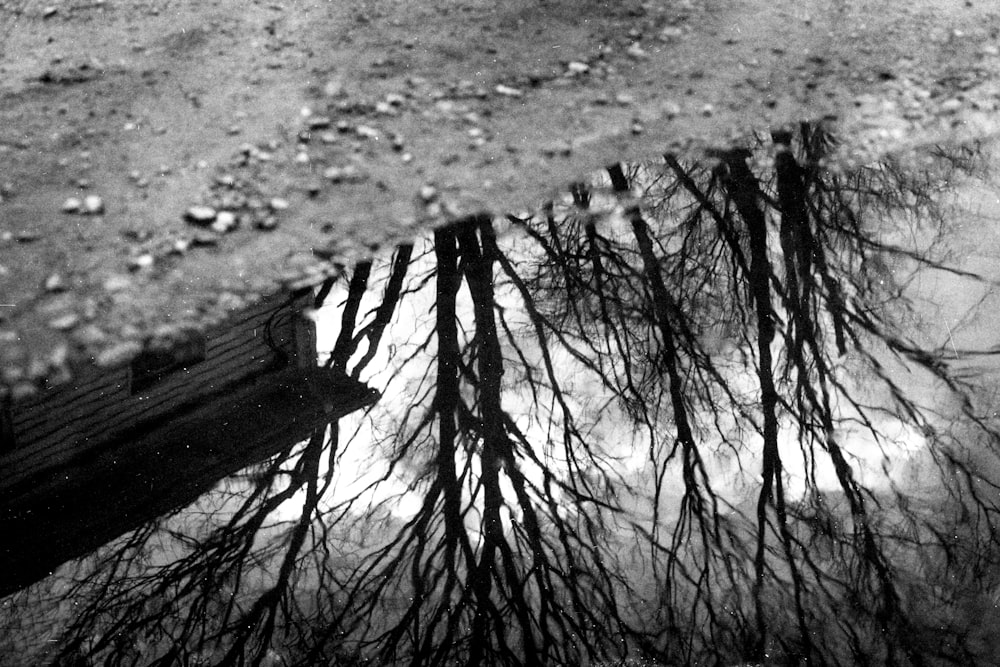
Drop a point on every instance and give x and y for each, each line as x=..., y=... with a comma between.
x=95, y=407
x=103, y=405
x=56, y=515
x=112, y=381
x=98, y=417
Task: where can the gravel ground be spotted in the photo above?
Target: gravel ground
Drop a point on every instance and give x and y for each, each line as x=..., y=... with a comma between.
x=165, y=163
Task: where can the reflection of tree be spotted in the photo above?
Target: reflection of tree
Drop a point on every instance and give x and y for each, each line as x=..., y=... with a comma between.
x=626, y=431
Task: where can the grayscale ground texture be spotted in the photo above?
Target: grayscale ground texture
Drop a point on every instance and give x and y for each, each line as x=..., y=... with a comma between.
x=163, y=163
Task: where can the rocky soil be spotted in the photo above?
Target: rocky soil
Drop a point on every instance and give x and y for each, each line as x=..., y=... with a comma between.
x=164, y=162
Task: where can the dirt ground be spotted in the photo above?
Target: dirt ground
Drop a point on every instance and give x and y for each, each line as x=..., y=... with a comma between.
x=316, y=131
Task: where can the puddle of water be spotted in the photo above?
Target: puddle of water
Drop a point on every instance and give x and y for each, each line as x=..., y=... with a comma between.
x=713, y=408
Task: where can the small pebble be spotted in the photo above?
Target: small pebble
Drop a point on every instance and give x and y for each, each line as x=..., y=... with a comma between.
x=576, y=67
x=346, y=174
x=89, y=335
x=140, y=262
x=72, y=205
x=180, y=246
x=951, y=106
x=671, y=33
x=278, y=204
x=64, y=322
x=507, y=91
x=55, y=283
x=118, y=355
x=200, y=215
x=93, y=205
x=267, y=223
x=225, y=221
x=428, y=192
x=637, y=52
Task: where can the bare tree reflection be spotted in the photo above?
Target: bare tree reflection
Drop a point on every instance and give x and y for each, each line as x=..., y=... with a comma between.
x=661, y=420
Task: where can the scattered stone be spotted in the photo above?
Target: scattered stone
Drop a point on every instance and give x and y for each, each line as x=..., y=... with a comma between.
x=89, y=335
x=64, y=322
x=49, y=12
x=624, y=99
x=328, y=138
x=302, y=157
x=278, y=204
x=180, y=246
x=397, y=141
x=55, y=283
x=118, y=355
x=319, y=122
x=951, y=105
x=200, y=215
x=576, y=68
x=72, y=205
x=636, y=52
x=395, y=99
x=93, y=205
x=140, y=262
x=507, y=91
x=25, y=237
x=267, y=223
x=225, y=221
x=348, y=173
x=205, y=239
x=428, y=192
x=671, y=33
x=707, y=110
x=366, y=132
